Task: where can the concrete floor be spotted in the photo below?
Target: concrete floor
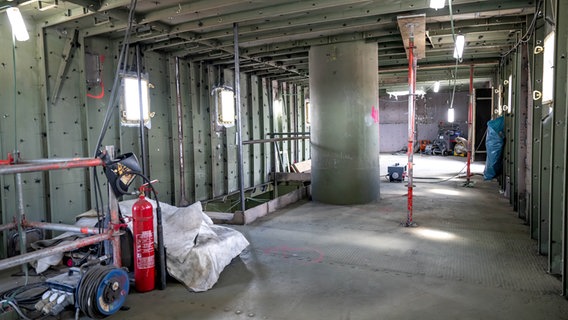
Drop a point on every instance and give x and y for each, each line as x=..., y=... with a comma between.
x=469, y=258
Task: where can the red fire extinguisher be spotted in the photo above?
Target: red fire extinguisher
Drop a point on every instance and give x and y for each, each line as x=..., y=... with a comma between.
x=143, y=223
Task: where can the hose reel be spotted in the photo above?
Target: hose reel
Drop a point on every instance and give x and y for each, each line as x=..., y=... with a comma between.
x=96, y=290
x=102, y=291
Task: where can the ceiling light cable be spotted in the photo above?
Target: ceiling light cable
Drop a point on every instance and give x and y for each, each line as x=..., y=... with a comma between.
x=455, y=74
x=528, y=34
x=119, y=68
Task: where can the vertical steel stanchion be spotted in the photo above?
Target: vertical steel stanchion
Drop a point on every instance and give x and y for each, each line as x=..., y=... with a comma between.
x=411, y=126
x=238, y=113
x=469, y=127
x=182, y=198
x=114, y=218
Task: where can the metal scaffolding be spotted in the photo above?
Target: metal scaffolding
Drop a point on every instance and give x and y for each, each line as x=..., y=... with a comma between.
x=110, y=233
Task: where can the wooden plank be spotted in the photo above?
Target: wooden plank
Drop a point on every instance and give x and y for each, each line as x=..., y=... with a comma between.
x=414, y=25
x=293, y=176
x=302, y=166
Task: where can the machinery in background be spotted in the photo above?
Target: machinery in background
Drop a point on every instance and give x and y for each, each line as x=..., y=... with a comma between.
x=446, y=139
x=396, y=173
x=424, y=144
x=460, y=148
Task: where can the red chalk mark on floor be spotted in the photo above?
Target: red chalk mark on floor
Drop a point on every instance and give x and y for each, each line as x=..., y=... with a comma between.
x=287, y=252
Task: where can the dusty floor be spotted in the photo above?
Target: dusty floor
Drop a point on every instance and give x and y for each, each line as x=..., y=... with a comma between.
x=469, y=258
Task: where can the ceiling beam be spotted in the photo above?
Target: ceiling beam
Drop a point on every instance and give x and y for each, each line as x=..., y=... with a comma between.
x=87, y=4
x=230, y=18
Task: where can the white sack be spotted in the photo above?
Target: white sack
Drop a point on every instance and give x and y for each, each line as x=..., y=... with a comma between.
x=196, y=249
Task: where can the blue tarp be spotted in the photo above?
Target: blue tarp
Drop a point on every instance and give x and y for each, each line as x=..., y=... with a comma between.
x=494, y=144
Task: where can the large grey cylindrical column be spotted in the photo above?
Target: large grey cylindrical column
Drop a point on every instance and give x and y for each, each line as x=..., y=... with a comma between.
x=344, y=122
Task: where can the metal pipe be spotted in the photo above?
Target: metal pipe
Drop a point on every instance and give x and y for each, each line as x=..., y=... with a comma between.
x=295, y=155
x=469, y=125
x=273, y=154
x=35, y=255
x=275, y=140
x=286, y=133
x=50, y=160
x=114, y=218
x=34, y=167
x=182, y=200
x=7, y=226
x=141, y=104
x=411, y=125
x=490, y=62
x=280, y=159
x=60, y=227
x=21, y=218
x=238, y=111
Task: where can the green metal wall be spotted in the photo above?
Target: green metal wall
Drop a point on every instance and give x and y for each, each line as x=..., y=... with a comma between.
x=547, y=202
x=22, y=122
x=56, y=114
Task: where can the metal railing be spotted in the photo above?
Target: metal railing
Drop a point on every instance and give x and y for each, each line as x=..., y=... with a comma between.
x=110, y=233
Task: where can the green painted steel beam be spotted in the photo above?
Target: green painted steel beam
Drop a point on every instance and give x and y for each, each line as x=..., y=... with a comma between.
x=87, y=4
x=258, y=14
x=478, y=33
x=66, y=56
x=537, y=67
x=546, y=179
x=356, y=17
x=208, y=57
x=559, y=149
x=562, y=68
x=312, y=8
x=448, y=53
x=380, y=16
x=547, y=148
x=381, y=36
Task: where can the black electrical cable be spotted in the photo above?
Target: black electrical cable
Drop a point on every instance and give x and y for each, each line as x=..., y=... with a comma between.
x=87, y=290
x=528, y=34
x=109, y=112
x=119, y=68
x=25, y=296
x=440, y=180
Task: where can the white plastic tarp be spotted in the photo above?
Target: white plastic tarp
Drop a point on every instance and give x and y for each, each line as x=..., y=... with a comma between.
x=196, y=249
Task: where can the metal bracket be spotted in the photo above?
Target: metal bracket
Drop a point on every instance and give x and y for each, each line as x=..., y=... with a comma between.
x=65, y=58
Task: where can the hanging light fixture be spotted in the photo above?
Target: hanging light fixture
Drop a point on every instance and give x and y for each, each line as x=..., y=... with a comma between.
x=451, y=115
x=437, y=4
x=436, y=86
x=460, y=43
x=130, y=103
x=17, y=22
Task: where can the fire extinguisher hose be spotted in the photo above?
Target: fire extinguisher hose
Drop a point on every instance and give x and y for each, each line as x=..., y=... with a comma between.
x=161, y=254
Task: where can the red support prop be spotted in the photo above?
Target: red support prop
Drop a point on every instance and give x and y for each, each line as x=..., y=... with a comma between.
x=411, y=124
